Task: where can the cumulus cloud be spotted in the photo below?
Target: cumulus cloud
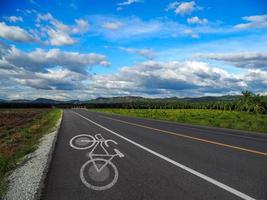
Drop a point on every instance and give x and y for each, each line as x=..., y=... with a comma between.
x=14, y=33
x=4, y=49
x=249, y=60
x=54, y=79
x=59, y=33
x=149, y=78
x=197, y=20
x=183, y=8
x=257, y=80
x=47, y=70
x=58, y=38
x=14, y=19
x=146, y=53
x=168, y=78
x=40, y=60
x=253, y=22
x=112, y=25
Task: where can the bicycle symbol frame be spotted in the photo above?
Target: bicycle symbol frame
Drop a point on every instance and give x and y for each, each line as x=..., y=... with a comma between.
x=99, y=171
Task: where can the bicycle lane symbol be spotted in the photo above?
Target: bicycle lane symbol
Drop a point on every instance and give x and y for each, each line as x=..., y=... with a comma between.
x=98, y=173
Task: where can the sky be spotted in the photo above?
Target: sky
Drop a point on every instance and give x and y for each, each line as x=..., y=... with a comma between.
x=84, y=49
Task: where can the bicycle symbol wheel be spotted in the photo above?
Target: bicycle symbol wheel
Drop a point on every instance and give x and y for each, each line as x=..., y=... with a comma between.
x=82, y=142
x=99, y=180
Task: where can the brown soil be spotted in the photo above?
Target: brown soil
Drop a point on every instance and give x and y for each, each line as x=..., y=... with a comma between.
x=12, y=118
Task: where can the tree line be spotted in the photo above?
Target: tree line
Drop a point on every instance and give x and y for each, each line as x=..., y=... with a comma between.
x=248, y=102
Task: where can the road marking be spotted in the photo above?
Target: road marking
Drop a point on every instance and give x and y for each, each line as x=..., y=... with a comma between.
x=194, y=126
x=192, y=171
x=97, y=172
x=191, y=137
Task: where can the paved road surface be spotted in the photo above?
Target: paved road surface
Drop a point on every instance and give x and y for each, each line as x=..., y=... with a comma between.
x=162, y=160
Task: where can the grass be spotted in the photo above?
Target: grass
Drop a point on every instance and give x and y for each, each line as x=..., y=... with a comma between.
x=214, y=118
x=20, y=132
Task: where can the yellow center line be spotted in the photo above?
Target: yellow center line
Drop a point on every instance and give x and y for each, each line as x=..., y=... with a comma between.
x=192, y=138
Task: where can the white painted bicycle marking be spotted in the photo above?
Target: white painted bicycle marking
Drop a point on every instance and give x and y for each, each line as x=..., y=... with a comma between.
x=98, y=173
x=192, y=171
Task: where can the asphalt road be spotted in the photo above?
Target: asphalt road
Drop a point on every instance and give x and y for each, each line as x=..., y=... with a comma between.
x=162, y=160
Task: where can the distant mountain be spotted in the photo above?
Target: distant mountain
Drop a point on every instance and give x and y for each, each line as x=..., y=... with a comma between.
x=74, y=101
x=41, y=101
x=19, y=101
x=46, y=101
x=126, y=99
x=211, y=98
x=119, y=99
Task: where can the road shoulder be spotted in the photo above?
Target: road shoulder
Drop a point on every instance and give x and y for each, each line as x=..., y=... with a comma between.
x=27, y=181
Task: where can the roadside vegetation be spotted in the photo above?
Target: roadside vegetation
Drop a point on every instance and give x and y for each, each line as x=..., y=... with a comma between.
x=215, y=118
x=247, y=102
x=249, y=112
x=20, y=132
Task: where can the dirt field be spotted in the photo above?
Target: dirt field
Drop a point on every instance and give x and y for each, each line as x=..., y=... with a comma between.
x=12, y=118
x=20, y=131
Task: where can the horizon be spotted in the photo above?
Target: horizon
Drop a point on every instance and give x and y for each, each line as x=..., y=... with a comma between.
x=109, y=97
x=80, y=50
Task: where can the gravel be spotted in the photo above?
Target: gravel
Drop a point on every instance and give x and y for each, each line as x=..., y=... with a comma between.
x=26, y=182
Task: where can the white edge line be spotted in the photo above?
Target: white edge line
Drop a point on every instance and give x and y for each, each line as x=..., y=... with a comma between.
x=203, y=176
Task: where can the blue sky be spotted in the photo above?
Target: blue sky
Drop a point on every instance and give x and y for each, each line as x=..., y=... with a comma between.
x=90, y=48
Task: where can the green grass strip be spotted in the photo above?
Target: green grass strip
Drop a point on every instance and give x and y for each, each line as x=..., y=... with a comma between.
x=214, y=118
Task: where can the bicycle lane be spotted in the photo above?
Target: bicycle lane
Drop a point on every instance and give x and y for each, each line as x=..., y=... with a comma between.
x=140, y=174
x=135, y=170
x=242, y=171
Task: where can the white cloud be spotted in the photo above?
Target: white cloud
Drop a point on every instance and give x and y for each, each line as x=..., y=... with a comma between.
x=40, y=60
x=81, y=27
x=256, y=21
x=183, y=8
x=112, y=25
x=172, y=6
x=146, y=53
x=49, y=73
x=60, y=33
x=250, y=60
x=54, y=79
x=129, y=2
x=153, y=78
x=14, y=19
x=191, y=33
x=113, y=28
x=257, y=80
x=26, y=11
x=197, y=20
x=59, y=38
x=133, y=28
x=46, y=70
x=15, y=33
